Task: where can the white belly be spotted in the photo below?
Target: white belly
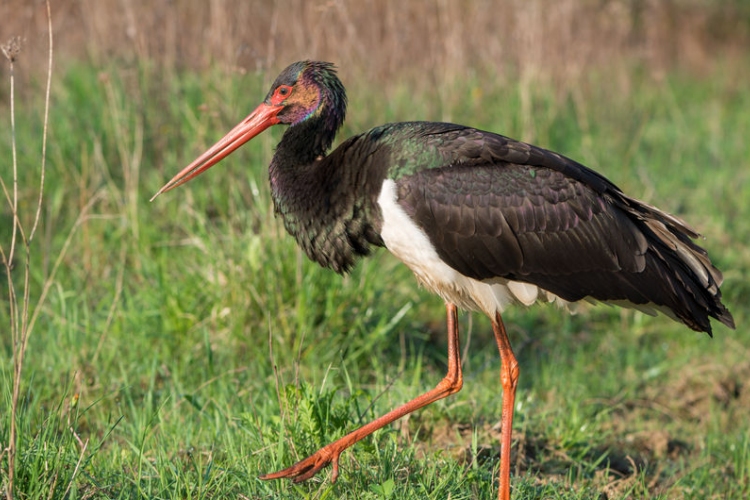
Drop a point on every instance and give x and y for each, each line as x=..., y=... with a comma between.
x=410, y=244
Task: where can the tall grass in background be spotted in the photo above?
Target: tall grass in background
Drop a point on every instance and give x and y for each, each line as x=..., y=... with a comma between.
x=185, y=346
x=423, y=43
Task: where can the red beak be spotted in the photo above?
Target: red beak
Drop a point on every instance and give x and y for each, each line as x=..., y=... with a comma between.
x=256, y=122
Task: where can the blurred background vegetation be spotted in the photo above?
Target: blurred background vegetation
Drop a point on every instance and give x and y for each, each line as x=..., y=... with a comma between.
x=386, y=39
x=422, y=43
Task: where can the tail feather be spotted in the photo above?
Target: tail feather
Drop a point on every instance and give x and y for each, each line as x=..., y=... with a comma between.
x=694, y=280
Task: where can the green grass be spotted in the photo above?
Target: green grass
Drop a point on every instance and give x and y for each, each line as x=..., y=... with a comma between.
x=187, y=346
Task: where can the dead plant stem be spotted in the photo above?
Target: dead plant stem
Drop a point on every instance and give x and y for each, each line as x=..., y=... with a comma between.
x=20, y=324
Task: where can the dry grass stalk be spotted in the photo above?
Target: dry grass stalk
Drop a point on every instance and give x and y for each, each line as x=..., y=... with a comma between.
x=20, y=325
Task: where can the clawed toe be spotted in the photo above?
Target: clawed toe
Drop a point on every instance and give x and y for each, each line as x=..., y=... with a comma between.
x=307, y=468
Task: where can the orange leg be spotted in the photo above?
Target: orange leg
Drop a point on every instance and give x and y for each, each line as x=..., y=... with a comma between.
x=509, y=381
x=451, y=384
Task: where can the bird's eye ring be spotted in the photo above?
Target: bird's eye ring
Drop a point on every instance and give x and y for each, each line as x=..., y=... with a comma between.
x=281, y=93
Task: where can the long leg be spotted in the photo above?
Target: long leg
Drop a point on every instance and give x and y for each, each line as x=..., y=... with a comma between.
x=509, y=381
x=451, y=384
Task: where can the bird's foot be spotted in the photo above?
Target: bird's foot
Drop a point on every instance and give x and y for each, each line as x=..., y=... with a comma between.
x=307, y=468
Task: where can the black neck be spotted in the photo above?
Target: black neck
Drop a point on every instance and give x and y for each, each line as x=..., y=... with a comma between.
x=322, y=199
x=302, y=143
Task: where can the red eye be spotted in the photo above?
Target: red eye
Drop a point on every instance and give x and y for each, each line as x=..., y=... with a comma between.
x=281, y=93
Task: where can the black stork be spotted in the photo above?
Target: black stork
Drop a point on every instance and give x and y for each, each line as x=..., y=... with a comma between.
x=482, y=220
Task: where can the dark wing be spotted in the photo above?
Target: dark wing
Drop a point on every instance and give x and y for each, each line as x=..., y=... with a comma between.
x=505, y=209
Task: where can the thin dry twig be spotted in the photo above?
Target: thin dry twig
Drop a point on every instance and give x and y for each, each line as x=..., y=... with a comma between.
x=11, y=50
x=46, y=124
